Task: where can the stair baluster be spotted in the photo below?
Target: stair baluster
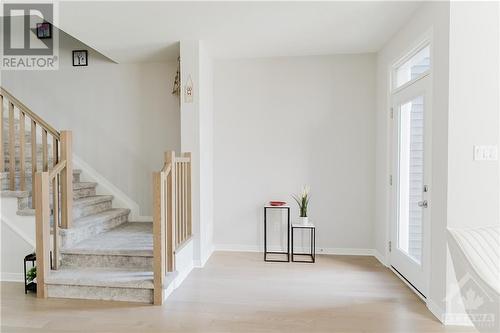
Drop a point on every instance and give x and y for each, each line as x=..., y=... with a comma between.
x=171, y=215
x=60, y=176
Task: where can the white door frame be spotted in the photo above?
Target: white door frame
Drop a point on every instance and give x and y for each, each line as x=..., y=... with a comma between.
x=421, y=86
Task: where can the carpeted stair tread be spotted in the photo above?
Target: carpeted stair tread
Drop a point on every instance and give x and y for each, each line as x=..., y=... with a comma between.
x=91, y=200
x=128, y=239
x=82, y=185
x=102, y=277
x=99, y=217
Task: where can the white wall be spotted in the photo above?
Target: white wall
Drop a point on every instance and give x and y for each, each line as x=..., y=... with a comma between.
x=474, y=113
x=123, y=116
x=474, y=117
x=17, y=235
x=280, y=123
x=206, y=155
x=197, y=138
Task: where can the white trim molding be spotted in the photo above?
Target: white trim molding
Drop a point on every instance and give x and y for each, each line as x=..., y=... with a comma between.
x=201, y=262
x=382, y=258
x=319, y=250
x=435, y=310
x=12, y=277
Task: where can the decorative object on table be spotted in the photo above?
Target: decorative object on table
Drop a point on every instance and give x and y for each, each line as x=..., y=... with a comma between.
x=188, y=90
x=44, y=30
x=287, y=208
x=80, y=58
x=303, y=202
x=30, y=275
x=277, y=203
x=312, y=229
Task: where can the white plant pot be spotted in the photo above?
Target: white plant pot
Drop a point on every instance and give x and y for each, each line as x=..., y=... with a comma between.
x=304, y=220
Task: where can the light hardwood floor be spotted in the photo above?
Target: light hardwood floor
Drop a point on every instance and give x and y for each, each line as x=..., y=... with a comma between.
x=238, y=292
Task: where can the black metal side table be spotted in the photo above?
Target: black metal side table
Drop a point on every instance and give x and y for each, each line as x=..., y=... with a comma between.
x=31, y=286
x=287, y=234
x=312, y=254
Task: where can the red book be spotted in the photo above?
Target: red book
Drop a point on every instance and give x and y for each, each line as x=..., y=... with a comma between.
x=277, y=203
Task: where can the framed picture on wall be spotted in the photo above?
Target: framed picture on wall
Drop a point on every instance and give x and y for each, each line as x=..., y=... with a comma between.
x=80, y=58
x=44, y=30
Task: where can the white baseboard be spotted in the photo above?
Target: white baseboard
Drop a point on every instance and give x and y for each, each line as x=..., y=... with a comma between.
x=182, y=275
x=142, y=218
x=345, y=251
x=106, y=187
x=446, y=318
x=435, y=310
x=201, y=263
x=12, y=277
x=333, y=251
x=237, y=248
x=382, y=259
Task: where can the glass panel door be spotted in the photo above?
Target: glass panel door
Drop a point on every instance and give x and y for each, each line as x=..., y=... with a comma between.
x=411, y=147
x=411, y=178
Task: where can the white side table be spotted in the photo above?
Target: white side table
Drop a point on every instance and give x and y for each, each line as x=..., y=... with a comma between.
x=312, y=229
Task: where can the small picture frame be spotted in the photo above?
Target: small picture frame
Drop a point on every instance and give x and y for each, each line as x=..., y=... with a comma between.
x=80, y=58
x=44, y=30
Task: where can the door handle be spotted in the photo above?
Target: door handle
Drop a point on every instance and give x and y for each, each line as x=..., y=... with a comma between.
x=423, y=204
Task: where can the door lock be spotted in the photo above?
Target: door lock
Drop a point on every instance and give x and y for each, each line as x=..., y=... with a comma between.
x=423, y=204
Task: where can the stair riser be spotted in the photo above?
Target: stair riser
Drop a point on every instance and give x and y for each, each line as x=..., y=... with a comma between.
x=5, y=178
x=27, y=150
x=91, y=209
x=107, y=261
x=77, y=193
x=27, y=127
x=27, y=166
x=83, y=192
x=101, y=293
x=27, y=162
x=73, y=236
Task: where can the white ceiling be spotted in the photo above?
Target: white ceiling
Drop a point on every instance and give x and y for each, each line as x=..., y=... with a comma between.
x=149, y=31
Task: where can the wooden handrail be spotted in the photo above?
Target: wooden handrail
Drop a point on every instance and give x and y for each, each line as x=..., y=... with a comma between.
x=183, y=159
x=171, y=215
x=57, y=169
x=166, y=168
x=58, y=174
x=61, y=218
x=31, y=114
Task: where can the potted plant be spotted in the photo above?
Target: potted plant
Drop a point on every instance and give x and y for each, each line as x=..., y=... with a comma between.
x=303, y=201
x=31, y=275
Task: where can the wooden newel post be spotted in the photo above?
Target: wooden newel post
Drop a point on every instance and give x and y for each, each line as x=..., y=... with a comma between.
x=158, y=242
x=189, y=195
x=67, y=180
x=42, y=223
x=170, y=213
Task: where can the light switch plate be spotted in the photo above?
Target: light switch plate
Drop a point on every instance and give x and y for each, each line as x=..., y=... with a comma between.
x=485, y=153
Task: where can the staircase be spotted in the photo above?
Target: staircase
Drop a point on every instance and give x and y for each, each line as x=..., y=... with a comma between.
x=101, y=255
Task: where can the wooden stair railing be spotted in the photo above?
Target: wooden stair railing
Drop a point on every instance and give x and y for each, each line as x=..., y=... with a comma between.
x=59, y=174
x=172, y=217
